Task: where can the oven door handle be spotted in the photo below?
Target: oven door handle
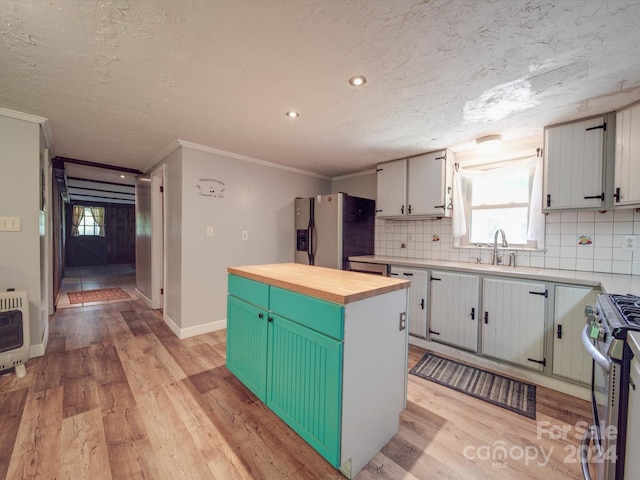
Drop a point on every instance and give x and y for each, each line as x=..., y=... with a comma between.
x=588, y=437
x=593, y=351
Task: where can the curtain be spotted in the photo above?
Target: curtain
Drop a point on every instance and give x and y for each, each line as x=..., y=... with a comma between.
x=462, y=180
x=535, y=230
x=76, y=220
x=98, y=217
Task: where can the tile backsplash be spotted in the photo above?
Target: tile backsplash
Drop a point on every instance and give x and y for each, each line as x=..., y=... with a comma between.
x=585, y=241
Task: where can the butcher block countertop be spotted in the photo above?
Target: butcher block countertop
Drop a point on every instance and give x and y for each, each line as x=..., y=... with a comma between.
x=338, y=286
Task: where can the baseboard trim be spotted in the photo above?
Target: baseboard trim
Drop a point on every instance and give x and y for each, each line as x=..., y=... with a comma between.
x=39, y=349
x=144, y=298
x=183, y=333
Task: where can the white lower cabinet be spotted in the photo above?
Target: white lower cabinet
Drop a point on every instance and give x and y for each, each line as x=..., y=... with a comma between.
x=417, y=298
x=513, y=321
x=570, y=359
x=454, y=309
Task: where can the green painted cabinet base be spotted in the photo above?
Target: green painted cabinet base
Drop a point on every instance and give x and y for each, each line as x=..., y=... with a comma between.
x=336, y=374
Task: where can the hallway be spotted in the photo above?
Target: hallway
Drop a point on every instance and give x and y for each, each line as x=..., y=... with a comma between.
x=97, y=277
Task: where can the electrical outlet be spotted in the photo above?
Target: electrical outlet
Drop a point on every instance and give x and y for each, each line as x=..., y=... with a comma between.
x=209, y=231
x=245, y=235
x=630, y=243
x=403, y=321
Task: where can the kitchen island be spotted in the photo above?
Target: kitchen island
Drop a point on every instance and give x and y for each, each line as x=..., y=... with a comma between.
x=324, y=349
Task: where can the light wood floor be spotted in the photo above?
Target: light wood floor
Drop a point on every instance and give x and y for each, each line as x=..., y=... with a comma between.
x=118, y=396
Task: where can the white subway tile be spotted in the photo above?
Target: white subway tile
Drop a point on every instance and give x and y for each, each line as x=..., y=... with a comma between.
x=553, y=229
x=568, y=227
x=566, y=217
x=622, y=228
x=584, y=265
x=623, y=215
x=620, y=267
x=603, y=266
x=603, y=240
x=567, y=263
x=586, y=228
x=604, y=227
x=552, y=239
x=604, y=253
x=552, y=262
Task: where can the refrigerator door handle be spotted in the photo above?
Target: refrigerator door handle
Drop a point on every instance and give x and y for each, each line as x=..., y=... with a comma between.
x=311, y=251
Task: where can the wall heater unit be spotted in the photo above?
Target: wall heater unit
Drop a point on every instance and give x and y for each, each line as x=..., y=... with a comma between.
x=14, y=331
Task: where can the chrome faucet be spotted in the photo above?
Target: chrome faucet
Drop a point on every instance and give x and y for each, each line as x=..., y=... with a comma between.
x=496, y=260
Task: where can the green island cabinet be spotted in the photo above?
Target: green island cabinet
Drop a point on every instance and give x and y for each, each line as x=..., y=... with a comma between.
x=334, y=370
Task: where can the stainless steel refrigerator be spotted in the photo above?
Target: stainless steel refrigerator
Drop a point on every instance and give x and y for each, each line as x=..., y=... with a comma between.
x=331, y=228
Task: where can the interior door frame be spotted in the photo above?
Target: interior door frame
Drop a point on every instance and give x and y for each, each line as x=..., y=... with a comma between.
x=157, y=238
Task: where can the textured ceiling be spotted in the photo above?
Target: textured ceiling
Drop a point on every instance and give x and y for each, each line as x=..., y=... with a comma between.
x=121, y=80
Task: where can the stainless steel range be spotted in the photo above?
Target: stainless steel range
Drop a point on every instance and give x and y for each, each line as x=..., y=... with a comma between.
x=605, y=338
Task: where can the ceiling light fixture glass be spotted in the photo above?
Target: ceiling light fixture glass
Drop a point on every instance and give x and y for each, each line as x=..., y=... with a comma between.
x=122, y=176
x=292, y=114
x=488, y=144
x=357, y=81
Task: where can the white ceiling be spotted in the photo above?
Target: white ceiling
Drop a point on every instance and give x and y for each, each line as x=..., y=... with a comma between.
x=120, y=80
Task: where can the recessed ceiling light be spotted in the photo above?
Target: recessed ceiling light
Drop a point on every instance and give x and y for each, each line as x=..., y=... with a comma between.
x=292, y=114
x=122, y=176
x=357, y=81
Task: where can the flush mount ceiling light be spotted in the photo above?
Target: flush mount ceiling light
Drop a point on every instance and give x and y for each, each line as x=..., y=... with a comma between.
x=122, y=176
x=488, y=144
x=357, y=81
x=292, y=114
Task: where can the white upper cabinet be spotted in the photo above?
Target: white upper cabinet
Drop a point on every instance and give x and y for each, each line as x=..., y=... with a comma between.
x=627, y=164
x=416, y=187
x=392, y=189
x=575, y=164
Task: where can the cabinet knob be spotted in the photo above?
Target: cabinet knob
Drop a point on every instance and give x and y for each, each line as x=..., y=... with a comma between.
x=270, y=319
x=260, y=315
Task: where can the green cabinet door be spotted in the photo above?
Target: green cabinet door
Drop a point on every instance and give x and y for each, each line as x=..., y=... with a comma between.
x=304, y=379
x=247, y=344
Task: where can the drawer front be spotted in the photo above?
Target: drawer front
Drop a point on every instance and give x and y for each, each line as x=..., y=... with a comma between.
x=249, y=290
x=319, y=315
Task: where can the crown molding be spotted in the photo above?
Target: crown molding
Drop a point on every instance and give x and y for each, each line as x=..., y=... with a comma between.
x=43, y=122
x=194, y=146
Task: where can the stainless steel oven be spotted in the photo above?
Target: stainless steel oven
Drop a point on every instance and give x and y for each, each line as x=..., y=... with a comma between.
x=605, y=338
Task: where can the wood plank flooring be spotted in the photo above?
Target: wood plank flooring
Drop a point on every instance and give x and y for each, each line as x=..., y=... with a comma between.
x=118, y=396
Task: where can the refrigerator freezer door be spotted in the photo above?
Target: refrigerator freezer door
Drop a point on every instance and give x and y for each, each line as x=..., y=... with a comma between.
x=303, y=220
x=327, y=234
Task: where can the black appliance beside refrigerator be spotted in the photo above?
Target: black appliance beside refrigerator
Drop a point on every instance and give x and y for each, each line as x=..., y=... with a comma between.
x=331, y=228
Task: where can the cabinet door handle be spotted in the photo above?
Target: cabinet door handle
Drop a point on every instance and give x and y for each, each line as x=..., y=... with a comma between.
x=548, y=200
x=260, y=315
x=409, y=209
x=402, y=209
x=542, y=362
x=422, y=304
x=407, y=274
x=603, y=127
x=559, y=331
x=589, y=197
x=617, y=195
x=439, y=206
x=435, y=279
x=486, y=317
x=433, y=333
x=473, y=313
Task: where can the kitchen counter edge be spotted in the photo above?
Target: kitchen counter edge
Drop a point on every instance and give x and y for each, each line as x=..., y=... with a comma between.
x=337, y=286
x=608, y=282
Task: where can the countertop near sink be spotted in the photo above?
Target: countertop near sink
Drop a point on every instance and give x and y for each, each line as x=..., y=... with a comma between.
x=610, y=283
x=338, y=286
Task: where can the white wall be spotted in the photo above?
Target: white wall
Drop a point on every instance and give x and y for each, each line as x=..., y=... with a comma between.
x=174, y=269
x=20, y=193
x=207, y=188
x=358, y=185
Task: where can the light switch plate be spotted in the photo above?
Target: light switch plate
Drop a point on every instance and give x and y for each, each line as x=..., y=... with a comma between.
x=245, y=235
x=10, y=224
x=209, y=231
x=630, y=243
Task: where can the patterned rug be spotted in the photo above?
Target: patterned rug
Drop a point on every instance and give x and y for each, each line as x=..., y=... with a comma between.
x=99, y=295
x=504, y=392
